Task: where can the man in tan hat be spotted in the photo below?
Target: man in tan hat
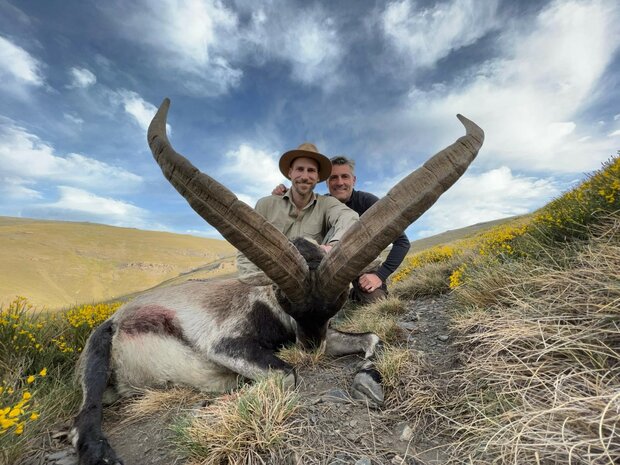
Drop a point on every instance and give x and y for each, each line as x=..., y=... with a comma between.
x=300, y=212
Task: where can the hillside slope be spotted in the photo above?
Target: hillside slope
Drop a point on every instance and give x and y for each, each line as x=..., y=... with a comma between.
x=56, y=264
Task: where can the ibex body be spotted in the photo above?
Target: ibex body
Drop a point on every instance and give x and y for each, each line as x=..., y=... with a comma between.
x=208, y=334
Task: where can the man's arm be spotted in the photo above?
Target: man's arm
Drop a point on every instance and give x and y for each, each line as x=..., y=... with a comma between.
x=371, y=281
x=339, y=218
x=400, y=247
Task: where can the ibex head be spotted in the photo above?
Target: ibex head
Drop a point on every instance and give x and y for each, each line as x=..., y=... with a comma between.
x=313, y=294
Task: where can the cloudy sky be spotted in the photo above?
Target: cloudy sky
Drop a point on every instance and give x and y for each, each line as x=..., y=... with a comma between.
x=378, y=81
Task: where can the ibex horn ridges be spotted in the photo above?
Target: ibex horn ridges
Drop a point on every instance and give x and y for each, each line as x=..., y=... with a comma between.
x=239, y=224
x=381, y=224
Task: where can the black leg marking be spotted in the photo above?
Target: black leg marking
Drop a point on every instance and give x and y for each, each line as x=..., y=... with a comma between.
x=92, y=446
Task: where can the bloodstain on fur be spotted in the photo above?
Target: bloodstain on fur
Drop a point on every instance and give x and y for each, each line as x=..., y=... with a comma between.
x=153, y=319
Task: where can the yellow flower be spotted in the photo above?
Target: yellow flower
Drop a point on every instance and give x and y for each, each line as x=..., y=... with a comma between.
x=43, y=372
x=34, y=416
x=30, y=379
x=19, y=429
x=26, y=395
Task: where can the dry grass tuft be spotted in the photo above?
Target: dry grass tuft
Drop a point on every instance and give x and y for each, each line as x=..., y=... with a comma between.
x=301, y=358
x=541, y=346
x=255, y=425
x=169, y=402
x=410, y=390
x=379, y=317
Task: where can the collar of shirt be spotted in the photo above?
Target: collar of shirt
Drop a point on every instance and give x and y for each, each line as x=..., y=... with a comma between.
x=289, y=197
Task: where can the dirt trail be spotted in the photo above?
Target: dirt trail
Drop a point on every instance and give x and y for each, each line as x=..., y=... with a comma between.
x=338, y=430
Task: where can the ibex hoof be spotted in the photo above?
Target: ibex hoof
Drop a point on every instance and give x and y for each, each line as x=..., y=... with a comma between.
x=367, y=386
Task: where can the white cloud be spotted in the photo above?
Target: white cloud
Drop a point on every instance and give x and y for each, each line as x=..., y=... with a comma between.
x=139, y=109
x=206, y=43
x=24, y=155
x=487, y=196
x=17, y=66
x=14, y=188
x=614, y=133
x=527, y=101
x=253, y=172
x=423, y=36
x=74, y=120
x=313, y=48
x=192, y=41
x=81, y=78
x=81, y=204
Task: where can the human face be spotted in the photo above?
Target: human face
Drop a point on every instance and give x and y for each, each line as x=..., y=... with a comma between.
x=340, y=182
x=304, y=175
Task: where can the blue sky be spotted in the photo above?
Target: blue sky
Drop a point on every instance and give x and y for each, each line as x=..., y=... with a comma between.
x=380, y=82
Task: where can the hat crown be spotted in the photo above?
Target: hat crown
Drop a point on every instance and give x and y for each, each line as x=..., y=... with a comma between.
x=308, y=147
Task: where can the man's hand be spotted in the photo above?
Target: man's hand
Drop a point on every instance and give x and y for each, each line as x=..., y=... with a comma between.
x=370, y=282
x=326, y=248
x=280, y=190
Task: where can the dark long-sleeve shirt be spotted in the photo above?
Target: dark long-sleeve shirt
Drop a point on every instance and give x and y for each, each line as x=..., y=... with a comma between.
x=360, y=202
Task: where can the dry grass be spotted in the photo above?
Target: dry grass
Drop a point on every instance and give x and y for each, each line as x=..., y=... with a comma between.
x=301, y=358
x=542, y=359
x=167, y=403
x=255, y=425
x=379, y=317
x=411, y=391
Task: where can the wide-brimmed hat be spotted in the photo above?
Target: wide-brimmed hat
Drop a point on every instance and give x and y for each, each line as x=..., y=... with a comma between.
x=306, y=150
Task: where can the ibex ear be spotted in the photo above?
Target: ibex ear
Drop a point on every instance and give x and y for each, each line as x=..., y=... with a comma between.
x=245, y=229
x=381, y=224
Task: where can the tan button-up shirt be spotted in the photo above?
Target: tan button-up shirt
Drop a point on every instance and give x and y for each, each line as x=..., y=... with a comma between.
x=323, y=214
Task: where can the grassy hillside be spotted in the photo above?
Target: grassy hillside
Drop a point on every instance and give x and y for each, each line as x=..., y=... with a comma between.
x=534, y=311
x=57, y=264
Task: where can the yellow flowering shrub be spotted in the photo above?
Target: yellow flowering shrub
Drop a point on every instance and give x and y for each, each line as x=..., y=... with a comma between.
x=16, y=406
x=498, y=242
x=90, y=315
x=568, y=216
x=434, y=255
x=457, y=276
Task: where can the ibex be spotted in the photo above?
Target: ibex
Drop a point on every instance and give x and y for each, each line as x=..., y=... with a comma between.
x=209, y=334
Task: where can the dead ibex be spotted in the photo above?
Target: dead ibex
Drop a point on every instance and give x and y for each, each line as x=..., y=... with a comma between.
x=209, y=334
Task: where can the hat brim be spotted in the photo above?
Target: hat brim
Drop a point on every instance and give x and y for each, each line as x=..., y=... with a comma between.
x=325, y=166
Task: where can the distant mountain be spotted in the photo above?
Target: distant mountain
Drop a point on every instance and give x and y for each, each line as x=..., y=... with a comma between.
x=56, y=263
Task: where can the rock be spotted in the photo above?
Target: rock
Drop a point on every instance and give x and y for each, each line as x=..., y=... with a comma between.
x=404, y=432
x=443, y=338
x=353, y=423
x=336, y=395
x=397, y=460
x=364, y=461
x=407, y=325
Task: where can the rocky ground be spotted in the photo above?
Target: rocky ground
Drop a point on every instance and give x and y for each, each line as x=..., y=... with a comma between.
x=337, y=429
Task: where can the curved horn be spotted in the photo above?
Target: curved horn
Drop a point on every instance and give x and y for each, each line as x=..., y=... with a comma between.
x=381, y=224
x=245, y=229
